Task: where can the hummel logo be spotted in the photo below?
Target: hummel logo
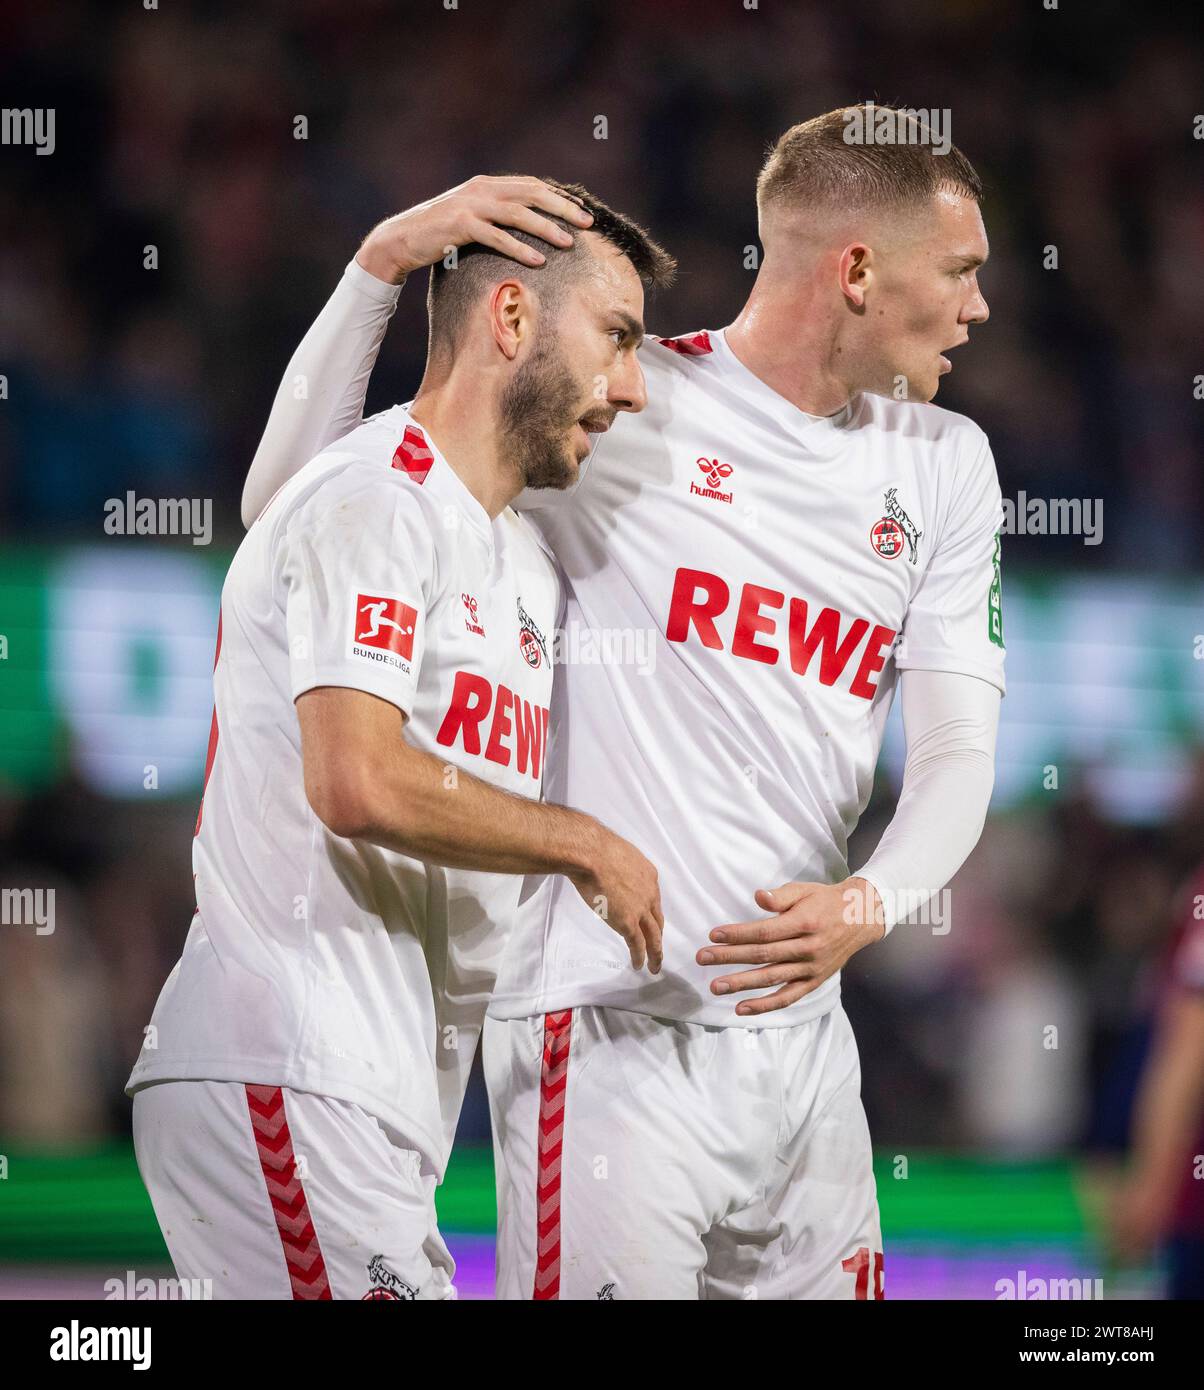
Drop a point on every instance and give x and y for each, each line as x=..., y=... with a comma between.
x=471, y=621
x=715, y=472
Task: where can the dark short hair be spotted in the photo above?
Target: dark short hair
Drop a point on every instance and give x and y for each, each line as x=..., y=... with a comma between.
x=477, y=267
x=814, y=165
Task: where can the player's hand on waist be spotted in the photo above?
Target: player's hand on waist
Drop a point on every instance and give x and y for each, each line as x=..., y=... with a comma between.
x=622, y=887
x=814, y=929
x=477, y=211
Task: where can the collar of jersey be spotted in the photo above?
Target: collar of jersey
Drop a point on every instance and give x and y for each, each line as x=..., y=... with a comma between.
x=821, y=434
x=449, y=485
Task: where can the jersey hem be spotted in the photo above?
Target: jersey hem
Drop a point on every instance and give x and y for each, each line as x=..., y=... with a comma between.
x=341, y=679
x=954, y=668
x=718, y=1015
x=404, y=1131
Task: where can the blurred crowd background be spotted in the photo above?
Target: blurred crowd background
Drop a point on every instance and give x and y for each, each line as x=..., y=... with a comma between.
x=176, y=129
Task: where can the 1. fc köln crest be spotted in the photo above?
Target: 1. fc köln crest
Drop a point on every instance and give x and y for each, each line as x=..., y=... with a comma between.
x=890, y=533
x=530, y=640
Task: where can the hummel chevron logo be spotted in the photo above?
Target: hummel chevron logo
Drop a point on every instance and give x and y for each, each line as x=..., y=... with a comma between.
x=715, y=473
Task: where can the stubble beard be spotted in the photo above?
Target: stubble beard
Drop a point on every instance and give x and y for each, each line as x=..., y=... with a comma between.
x=538, y=409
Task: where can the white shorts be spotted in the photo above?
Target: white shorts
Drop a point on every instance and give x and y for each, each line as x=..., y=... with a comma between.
x=645, y=1158
x=272, y=1193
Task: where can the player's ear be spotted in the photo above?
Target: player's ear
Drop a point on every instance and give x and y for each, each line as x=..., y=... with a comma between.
x=509, y=316
x=855, y=271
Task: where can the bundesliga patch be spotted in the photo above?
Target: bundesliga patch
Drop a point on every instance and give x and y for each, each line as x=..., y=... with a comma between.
x=382, y=631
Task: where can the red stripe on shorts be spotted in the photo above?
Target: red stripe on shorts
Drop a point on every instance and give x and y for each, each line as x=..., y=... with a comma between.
x=553, y=1082
x=302, y=1253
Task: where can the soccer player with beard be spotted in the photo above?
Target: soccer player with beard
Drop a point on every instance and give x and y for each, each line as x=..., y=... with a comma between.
x=381, y=694
x=800, y=532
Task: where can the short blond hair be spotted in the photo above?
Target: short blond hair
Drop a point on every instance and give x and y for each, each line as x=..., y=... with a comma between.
x=816, y=165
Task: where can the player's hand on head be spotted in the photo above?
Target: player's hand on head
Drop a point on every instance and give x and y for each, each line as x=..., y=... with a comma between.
x=623, y=888
x=813, y=929
x=477, y=211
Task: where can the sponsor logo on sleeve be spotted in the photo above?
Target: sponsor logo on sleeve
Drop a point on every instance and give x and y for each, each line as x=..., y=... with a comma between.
x=995, y=598
x=382, y=631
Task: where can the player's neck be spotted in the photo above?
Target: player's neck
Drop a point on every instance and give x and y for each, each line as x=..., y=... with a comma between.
x=780, y=338
x=466, y=435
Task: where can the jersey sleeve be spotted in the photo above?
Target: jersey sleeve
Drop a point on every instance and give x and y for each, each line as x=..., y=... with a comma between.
x=950, y=721
x=321, y=397
x=955, y=619
x=359, y=577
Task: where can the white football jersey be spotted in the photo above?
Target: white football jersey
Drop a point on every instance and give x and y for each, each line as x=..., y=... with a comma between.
x=745, y=580
x=332, y=965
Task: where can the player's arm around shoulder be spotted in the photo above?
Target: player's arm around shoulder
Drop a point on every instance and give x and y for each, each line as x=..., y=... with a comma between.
x=335, y=358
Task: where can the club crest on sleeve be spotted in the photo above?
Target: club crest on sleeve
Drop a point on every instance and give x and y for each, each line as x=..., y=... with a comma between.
x=382, y=630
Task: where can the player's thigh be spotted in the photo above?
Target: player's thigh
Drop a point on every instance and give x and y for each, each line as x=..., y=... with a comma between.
x=511, y=1052
x=198, y=1159
x=269, y=1193
x=814, y=1232
x=371, y=1206
x=604, y=1190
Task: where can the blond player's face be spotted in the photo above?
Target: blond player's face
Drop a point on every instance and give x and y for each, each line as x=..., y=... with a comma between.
x=928, y=295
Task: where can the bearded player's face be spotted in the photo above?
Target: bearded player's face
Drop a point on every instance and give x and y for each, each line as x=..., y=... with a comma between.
x=928, y=295
x=582, y=369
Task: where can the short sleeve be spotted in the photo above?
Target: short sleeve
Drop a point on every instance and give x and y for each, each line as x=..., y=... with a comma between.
x=359, y=576
x=955, y=619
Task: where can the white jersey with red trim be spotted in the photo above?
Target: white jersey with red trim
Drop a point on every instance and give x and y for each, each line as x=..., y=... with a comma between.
x=745, y=581
x=330, y=965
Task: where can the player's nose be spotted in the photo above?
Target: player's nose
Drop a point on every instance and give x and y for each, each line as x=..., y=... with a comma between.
x=977, y=310
x=627, y=390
